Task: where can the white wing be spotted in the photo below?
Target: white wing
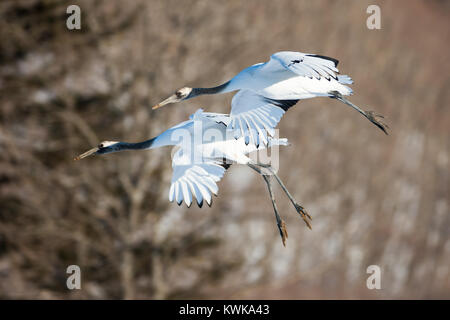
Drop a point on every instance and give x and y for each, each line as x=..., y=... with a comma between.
x=306, y=65
x=194, y=180
x=253, y=115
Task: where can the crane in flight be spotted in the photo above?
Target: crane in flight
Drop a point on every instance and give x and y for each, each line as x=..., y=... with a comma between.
x=269, y=89
x=200, y=163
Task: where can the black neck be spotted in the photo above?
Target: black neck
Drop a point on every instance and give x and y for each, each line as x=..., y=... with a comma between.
x=136, y=146
x=213, y=90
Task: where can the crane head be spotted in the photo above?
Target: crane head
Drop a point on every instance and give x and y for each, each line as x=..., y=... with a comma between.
x=179, y=95
x=103, y=148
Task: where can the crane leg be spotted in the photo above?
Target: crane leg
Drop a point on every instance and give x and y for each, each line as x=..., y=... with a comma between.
x=302, y=211
x=373, y=117
x=280, y=222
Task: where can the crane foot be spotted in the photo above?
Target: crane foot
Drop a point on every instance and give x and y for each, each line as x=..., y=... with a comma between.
x=283, y=232
x=376, y=119
x=304, y=214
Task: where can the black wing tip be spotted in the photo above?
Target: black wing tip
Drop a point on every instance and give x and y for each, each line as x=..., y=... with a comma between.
x=335, y=61
x=200, y=204
x=334, y=94
x=283, y=104
x=226, y=165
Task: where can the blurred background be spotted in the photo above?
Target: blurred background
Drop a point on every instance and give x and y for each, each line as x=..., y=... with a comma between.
x=375, y=199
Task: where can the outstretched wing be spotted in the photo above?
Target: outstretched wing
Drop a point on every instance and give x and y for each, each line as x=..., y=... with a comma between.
x=253, y=116
x=306, y=65
x=191, y=180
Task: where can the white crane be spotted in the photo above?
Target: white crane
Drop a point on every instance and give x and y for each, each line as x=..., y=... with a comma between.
x=269, y=89
x=200, y=163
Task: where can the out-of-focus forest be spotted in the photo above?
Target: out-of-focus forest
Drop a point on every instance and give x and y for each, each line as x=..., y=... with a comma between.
x=375, y=199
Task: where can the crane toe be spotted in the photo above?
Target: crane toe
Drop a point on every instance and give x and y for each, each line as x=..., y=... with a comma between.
x=304, y=214
x=283, y=232
x=375, y=118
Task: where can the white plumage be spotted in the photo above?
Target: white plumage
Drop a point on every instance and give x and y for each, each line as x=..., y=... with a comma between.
x=197, y=179
x=292, y=75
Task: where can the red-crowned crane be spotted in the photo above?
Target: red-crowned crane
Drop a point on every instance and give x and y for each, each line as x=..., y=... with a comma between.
x=201, y=162
x=267, y=90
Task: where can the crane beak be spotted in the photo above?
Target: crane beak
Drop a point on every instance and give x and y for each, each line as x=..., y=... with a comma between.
x=86, y=154
x=171, y=99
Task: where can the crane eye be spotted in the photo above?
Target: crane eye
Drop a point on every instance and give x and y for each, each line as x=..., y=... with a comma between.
x=100, y=145
x=179, y=94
